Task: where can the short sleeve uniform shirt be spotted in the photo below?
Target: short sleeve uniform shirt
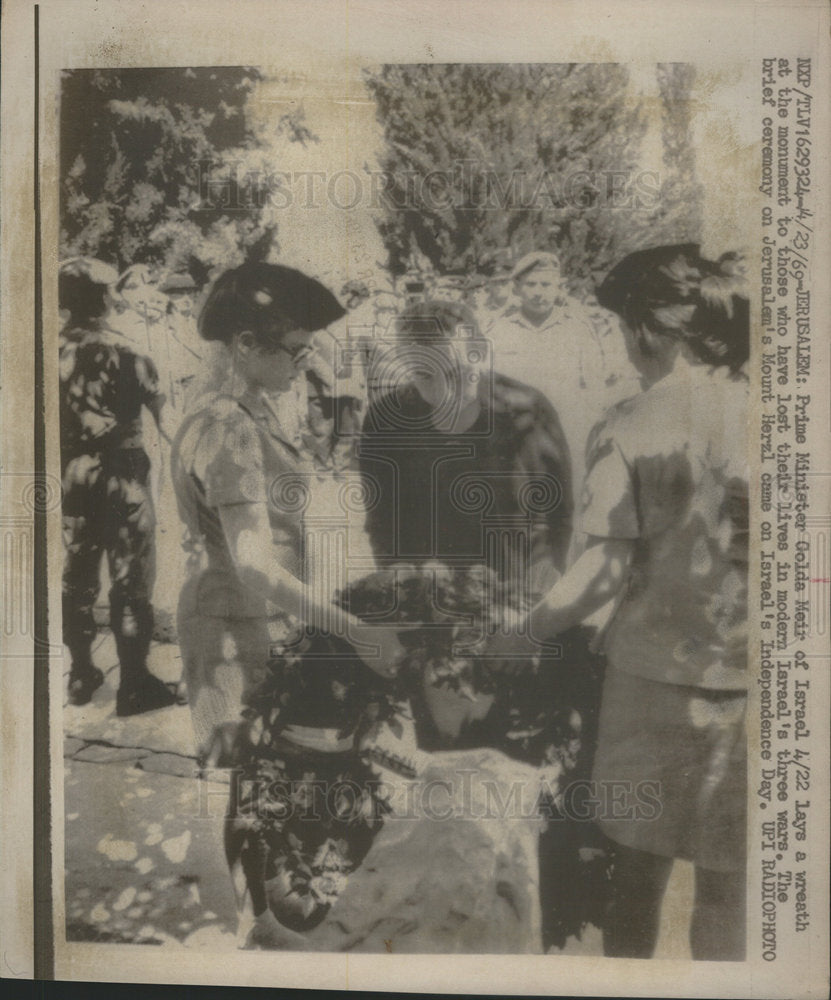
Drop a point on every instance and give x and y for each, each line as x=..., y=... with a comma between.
x=234, y=452
x=668, y=469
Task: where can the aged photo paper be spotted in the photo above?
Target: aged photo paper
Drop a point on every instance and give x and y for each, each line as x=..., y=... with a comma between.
x=415, y=495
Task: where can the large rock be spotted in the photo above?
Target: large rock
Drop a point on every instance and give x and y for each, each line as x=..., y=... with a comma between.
x=455, y=868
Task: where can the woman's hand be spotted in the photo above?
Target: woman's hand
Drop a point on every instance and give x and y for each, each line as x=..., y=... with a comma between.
x=378, y=647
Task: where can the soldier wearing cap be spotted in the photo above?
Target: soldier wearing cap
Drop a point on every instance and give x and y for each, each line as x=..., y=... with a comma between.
x=546, y=340
x=107, y=505
x=497, y=289
x=181, y=355
x=386, y=306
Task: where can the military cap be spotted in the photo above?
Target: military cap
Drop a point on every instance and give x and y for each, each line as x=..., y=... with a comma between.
x=539, y=258
x=179, y=282
x=82, y=287
x=95, y=271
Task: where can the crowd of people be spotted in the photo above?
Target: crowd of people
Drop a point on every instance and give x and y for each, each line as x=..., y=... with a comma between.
x=589, y=457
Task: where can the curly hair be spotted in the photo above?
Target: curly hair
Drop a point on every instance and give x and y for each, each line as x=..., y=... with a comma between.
x=673, y=291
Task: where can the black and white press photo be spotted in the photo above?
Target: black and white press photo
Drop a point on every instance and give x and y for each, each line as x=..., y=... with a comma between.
x=434, y=527
x=526, y=405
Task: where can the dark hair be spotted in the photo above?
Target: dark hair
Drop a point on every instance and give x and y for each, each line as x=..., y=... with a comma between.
x=673, y=291
x=436, y=319
x=84, y=299
x=269, y=300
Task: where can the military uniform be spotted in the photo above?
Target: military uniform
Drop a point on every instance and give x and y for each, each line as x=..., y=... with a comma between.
x=580, y=366
x=107, y=507
x=573, y=362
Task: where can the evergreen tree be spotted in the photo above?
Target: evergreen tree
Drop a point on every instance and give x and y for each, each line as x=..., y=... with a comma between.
x=155, y=167
x=482, y=157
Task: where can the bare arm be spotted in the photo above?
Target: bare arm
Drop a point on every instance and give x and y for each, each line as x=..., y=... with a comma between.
x=594, y=579
x=248, y=533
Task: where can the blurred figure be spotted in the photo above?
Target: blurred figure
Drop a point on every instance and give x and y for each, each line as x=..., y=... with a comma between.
x=376, y=340
x=415, y=288
x=105, y=384
x=182, y=350
x=495, y=292
x=139, y=308
x=137, y=314
x=178, y=356
x=386, y=306
x=354, y=293
x=449, y=288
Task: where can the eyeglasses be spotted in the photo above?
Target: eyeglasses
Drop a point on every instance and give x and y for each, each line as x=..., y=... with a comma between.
x=297, y=354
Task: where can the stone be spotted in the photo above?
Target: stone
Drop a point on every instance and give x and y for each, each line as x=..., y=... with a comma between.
x=455, y=869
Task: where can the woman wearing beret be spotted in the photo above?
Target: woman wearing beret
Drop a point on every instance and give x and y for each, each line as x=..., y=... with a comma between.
x=237, y=473
x=665, y=505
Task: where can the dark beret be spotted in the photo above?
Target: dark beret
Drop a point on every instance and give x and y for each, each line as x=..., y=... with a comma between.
x=659, y=275
x=180, y=282
x=266, y=298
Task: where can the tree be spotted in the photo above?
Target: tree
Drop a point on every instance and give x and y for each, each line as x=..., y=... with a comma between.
x=155, y=167
x=482, y=157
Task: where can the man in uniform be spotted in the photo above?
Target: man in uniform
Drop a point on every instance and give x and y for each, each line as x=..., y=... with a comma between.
x=493, y=294
x=546, y=340
x=183, y=350
x=107, y=505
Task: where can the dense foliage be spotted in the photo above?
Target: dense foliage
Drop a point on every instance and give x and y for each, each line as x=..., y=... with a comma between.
x=483, y=157
x=154, y=166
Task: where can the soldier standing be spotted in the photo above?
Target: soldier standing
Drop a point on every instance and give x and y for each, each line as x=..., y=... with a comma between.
x=182, y=349
x=107, y=504
x=546, y=340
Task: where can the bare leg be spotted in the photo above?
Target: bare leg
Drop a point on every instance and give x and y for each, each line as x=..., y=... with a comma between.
x=717, y=933
x=639, y=880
